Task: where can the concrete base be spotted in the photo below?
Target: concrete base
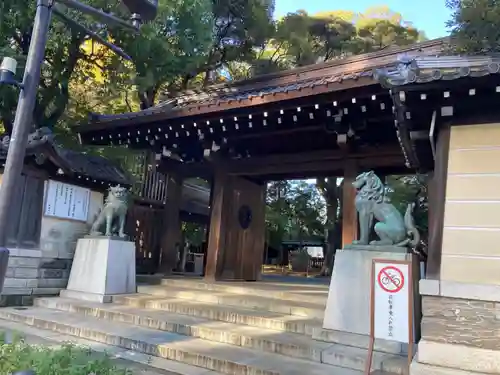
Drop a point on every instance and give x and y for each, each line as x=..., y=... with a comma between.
x=102, y=267
x=348, y=304
x=346, y=322
x=350, y=350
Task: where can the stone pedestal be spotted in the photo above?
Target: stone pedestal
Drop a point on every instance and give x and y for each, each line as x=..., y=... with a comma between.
x=348, y=305
x=347, y=316
x=102, y=267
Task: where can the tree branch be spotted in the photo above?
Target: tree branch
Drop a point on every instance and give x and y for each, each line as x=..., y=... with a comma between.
x=127, y=101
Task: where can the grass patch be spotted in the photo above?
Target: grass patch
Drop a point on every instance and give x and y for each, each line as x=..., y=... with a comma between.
x=66, y=359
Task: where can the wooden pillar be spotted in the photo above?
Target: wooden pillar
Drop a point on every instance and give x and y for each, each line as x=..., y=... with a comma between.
x=437, y=198
x=171, y=222
x=349, y=214
x=217, y=235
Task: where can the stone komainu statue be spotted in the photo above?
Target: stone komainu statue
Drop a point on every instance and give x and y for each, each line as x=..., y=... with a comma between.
x=391, y=228
x=111, y=219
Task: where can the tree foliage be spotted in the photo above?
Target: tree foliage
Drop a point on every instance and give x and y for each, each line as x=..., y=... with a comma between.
x=475, y=25
x=402, y=190
x=294, y=210
x=188, y=39
x=301, y=39
x=162, y=50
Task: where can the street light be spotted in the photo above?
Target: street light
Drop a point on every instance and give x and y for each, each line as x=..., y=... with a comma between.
x=8, y=72
x=140, y=9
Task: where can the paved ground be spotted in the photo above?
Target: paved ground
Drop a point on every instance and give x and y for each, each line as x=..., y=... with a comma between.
x=296, y=279
x=30, y=338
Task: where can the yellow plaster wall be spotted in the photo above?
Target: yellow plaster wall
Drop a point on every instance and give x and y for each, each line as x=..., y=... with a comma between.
x=471, y=237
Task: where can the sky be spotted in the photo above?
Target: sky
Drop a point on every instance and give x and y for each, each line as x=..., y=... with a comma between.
x=427, y=15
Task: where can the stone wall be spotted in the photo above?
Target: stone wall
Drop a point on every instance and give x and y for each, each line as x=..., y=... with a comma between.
x=459, y=337
x=45, y=271
x=461, y=321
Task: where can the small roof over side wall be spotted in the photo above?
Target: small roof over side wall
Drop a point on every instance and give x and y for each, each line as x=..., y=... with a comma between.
x=90, y=169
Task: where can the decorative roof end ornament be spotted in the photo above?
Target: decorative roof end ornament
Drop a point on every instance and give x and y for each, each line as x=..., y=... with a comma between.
x=403, y=73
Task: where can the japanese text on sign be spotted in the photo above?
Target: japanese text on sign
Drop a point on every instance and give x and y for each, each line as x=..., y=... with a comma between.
x=391, y=301
x=66, y=201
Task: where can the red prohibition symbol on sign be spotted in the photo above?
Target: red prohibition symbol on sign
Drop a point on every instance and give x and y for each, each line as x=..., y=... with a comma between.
x=391, y=279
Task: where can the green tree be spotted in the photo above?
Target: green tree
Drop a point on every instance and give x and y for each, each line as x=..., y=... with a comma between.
x=163, y=50
x=307, y=210
x=406, y=189
x=475, y=25
x=240, y=28
x=303, y=39
x=278, y=212
x=294, y=210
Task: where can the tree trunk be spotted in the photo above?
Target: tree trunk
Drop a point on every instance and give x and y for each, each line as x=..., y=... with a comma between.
x=332, y=195
x=330, y=243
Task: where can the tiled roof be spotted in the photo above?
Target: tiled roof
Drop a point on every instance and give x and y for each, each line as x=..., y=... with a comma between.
x=95, y=167
x=73, y=162
x=240, y=93
x=424, y=69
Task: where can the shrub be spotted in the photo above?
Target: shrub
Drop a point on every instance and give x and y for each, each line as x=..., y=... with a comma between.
x=66, y=359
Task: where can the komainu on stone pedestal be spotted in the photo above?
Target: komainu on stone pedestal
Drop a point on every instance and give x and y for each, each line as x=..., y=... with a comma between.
x=111, y=220
x=371, y=203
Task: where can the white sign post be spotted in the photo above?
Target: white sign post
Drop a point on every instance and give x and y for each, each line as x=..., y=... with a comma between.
x=391, y=315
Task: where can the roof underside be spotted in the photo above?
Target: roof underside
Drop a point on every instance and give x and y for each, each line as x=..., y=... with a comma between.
x=375, y=102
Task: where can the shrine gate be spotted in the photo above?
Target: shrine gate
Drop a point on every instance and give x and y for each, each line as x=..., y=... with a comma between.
x=395, y=111
x=332, y=119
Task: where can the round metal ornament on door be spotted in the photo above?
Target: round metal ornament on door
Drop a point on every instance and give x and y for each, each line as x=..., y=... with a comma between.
x=245, y=216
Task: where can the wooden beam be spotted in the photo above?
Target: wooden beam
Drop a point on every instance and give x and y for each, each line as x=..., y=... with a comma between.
x=217, y=228
x=316, y=161
x=402, y=126
x=437, y=198
x=290, y=163
x=349, y=213
x=273, y=133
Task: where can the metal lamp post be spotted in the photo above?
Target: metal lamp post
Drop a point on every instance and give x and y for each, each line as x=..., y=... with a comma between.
x=145, y=9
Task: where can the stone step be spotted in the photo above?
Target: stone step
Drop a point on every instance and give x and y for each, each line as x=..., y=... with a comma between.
x=309, y=310
x=138, y=363
x=316, y=293
x=224, y=358
x=266, y=340
x=424, y=369
x=230, y=314
x=356, y=358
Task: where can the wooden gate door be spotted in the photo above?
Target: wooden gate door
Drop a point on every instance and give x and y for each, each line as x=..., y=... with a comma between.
x=144, y=225
x=237, y=230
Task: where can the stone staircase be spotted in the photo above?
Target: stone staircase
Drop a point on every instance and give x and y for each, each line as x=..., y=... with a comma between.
x=229, y=328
